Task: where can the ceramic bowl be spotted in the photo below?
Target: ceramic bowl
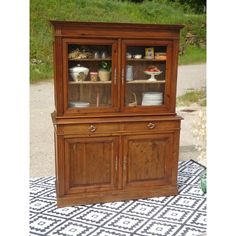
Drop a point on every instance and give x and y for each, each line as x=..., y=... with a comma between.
x=137, y=56
x=78, y=73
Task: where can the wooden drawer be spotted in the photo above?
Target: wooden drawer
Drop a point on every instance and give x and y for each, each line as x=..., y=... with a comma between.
x=150, y=126
x=90, y=128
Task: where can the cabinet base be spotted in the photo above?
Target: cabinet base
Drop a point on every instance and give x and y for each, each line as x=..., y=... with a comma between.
x=115, y=196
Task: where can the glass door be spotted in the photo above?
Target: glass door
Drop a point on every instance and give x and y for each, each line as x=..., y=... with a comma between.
x=90, y=75
x=145, y=75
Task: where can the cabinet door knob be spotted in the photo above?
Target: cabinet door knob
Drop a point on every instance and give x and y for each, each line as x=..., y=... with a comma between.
x=92, y=128
x=151, y=125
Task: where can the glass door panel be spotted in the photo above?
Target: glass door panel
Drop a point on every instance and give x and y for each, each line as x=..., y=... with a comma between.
x=90, y=74
x=145, y=75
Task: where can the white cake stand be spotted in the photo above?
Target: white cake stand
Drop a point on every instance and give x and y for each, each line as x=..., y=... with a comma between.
x=152, y=74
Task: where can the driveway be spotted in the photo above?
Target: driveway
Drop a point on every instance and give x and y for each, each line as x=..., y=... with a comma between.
x=41, y=129
x=191, y=77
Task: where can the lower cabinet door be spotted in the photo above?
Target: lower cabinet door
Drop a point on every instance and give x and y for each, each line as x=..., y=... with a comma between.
x=147, y=160
x=90, y=164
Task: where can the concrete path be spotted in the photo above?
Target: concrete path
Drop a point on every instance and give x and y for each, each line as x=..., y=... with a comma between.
x=41, y=129
x=191, y=77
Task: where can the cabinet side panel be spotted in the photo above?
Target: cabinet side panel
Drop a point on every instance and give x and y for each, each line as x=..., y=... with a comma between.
x=175, y=158
x=58, y=79
x=60, y=166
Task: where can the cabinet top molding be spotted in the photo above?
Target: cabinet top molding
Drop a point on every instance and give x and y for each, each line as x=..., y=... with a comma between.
x=123, y=26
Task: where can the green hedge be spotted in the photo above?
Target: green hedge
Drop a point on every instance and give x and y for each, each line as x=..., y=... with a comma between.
x=162, y=12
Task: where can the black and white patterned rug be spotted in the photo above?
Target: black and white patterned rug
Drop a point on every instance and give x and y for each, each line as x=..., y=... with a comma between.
x=181, y=215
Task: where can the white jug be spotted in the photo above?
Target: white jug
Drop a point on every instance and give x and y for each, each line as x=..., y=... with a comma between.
x=129, y=73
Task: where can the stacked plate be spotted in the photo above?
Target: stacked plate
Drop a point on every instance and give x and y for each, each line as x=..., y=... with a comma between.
x=79, y=104
x=152, y=99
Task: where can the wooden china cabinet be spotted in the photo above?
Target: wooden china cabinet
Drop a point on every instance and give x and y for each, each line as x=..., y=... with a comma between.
x=116, y=129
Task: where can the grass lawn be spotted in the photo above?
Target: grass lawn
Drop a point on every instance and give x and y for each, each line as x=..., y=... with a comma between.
x=196, y=96
x=193, y=55
x=156, y=12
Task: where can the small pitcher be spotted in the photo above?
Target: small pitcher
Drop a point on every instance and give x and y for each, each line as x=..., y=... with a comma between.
x=129, y=73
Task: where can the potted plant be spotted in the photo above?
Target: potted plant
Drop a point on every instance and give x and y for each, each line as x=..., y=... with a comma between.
x=104, y=71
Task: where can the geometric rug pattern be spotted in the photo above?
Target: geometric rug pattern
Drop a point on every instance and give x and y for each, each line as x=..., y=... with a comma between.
x=181, y=215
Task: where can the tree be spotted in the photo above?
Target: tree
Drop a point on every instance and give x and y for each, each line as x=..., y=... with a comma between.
x=199, y=6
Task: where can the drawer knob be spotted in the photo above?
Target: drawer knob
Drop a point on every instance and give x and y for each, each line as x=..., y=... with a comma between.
x=92, y=128
x=151, y=125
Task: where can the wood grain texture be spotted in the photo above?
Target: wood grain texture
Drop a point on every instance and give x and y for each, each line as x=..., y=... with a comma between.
x=90, y=164
x=110, y=151
x=114, y=30
x=119, y=195
x=148, y=160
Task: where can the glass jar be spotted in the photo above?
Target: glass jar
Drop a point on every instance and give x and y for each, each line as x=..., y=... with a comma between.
x=93, y=76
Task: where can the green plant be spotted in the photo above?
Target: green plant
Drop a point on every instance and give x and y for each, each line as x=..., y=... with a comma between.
x=196, y=96
x=105, y=65
x=153, y=12
x=197, y=6
x=193, y=55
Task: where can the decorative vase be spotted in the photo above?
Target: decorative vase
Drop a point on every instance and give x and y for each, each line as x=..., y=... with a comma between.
x=104, y=75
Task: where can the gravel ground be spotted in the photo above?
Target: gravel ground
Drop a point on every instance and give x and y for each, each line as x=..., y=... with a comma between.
x=41, y=129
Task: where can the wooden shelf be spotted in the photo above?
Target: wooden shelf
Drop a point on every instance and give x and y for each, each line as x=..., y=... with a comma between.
x=90, y=82
x=91, y=59
x=145, y=81
x=93, y=106
x=136, y=60
x=128, y=82
x=109, y=59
